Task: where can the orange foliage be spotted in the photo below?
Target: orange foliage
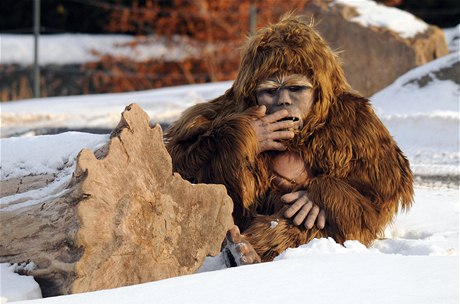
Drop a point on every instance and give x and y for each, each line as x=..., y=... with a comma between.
x=220, y=26
x=216, y=27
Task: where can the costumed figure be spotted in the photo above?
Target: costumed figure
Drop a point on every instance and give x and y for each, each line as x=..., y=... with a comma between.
x=301, y=154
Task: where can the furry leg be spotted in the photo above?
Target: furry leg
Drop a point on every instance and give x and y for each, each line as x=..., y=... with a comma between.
x=238, y=251
x=271, y=235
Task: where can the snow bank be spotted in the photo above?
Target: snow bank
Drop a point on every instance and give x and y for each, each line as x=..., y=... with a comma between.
x=430, y=227
x=44, y=154
x=330, y=273
x=52, y=157
x=63, y=49
x=421, y=111
x=379, y=15
x=102, y=110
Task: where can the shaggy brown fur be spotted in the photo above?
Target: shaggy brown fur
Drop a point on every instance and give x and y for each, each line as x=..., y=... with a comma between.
x=361, y=177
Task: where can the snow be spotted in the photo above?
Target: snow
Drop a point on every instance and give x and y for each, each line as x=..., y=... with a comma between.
x=379, y=15
x=332, y=275
x=55, y=153
x=52, y=156
x=415, y=262
x=15, y=287
x=81, y=48
x=424, y=120
x=101, y=110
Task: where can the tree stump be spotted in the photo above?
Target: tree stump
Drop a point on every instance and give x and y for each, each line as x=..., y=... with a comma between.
x=124, y=219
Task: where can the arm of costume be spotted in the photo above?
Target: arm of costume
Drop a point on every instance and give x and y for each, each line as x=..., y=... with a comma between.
x=209, y=146
x=365, y=176
x=350, y=215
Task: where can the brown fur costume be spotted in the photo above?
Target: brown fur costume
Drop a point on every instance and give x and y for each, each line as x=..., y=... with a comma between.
x=360, y=176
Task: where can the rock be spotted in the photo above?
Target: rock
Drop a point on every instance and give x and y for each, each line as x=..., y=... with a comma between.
x=124, y=219
x=373, y=56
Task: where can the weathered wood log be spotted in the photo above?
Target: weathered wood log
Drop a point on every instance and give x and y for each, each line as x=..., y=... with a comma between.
x=125, y=218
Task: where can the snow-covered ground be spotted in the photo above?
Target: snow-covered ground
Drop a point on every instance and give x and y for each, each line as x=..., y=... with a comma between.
x=424, y=119
x=416, y=262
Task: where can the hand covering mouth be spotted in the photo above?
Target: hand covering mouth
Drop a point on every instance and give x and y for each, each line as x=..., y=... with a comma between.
x=297, y=122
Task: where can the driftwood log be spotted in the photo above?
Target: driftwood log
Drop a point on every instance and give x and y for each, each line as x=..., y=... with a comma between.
x=124, y=218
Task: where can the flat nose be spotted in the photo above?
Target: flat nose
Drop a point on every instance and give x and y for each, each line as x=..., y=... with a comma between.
x=284, y=98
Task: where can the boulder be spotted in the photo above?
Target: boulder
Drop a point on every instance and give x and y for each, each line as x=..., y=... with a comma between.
x=373, y=54
x=125, y=218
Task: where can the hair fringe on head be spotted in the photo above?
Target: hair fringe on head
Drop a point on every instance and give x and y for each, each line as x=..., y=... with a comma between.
x=290, y=46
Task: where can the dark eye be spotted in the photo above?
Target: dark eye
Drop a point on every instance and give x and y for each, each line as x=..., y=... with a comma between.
x=271, y=91
x=296, y=88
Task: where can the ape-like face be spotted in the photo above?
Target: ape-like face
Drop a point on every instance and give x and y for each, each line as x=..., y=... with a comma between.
x=292, y=92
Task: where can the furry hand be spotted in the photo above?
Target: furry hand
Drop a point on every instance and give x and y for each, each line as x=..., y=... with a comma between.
x=304, y=209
